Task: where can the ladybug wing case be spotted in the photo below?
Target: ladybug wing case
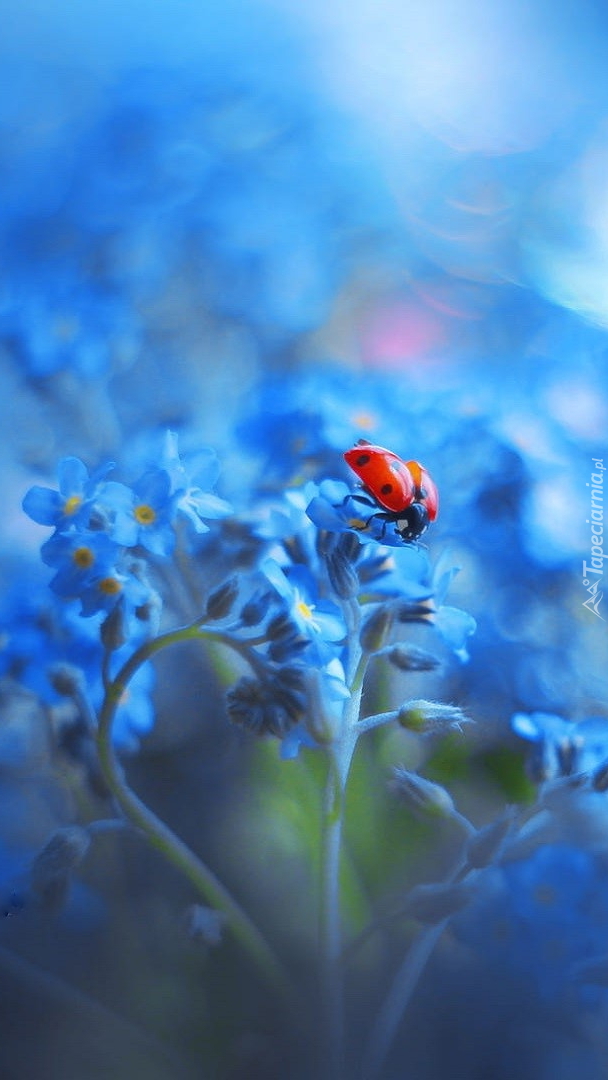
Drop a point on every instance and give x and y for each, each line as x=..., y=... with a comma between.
x=385, y=476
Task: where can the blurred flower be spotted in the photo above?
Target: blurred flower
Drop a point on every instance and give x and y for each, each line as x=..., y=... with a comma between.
x=539, y=919
x=561, y=747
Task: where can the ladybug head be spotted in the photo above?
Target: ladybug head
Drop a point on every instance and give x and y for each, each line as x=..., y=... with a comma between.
x=413, y=522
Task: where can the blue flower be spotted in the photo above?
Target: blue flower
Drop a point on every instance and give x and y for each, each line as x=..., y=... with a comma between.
x=285, y=517
x=144, y=513
x=326, y=694
x=339, y=508
x=191, y=488
x=78, y=557
x=61, y=318
x=561, y=747
x=454, y=625
x=71, y=505
x=316, y=619
x=90, y=566
x=538, y=919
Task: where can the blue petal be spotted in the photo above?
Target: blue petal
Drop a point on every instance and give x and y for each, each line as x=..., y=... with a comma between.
x=73, y=476
x=43, y=505
x=455, y=626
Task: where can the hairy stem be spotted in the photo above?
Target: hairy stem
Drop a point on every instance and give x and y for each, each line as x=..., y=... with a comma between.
x=330, y=922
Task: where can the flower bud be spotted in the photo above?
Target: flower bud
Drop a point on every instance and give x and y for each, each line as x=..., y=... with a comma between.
x=342, y=575
x=52, y=867
x=416, y=610
x=348, y=545
x=150, y=612
x=281, y=626
x=376, y=628
x=422, y=795
x=255, y=609
x=66, y=679
x=221, y=600
x=112, y=631
x=411, y=658
x=430, y=716
x=599, y=780
x=287, y=648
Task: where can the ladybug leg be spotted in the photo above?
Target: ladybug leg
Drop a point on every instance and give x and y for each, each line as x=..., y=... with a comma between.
x=366, y=500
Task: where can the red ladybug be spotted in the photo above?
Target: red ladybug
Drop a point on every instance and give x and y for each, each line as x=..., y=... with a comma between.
x=404, y=491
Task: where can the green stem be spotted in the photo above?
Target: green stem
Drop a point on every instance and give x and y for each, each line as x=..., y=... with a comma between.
x=402, y=989
x=330, y=922
x=400, y=994
x=330, y=929
x=159, y=835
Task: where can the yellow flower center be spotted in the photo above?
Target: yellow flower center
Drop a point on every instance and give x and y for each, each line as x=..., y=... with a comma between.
x=109, y=586
x=83, y=557
x=71, y=505
x=144, y=514
x=305, y=610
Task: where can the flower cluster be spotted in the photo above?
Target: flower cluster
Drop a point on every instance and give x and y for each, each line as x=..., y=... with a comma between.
x=103, y=529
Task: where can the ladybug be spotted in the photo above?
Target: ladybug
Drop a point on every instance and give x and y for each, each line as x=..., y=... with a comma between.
x=402, y=492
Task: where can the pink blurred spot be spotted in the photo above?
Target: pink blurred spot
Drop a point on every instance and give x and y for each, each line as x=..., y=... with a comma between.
x=398, y=334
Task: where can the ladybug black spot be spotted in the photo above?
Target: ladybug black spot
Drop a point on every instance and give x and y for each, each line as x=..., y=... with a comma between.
x=362, y=460
x=386, y=489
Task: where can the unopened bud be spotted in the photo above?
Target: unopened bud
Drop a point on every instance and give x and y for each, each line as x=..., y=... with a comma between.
x=376, y=628
x=150, y=611
x=221, y=600
x=52, y=867
x=342, y=575
x=422, y=795
x=599, y=780
x=348, y=545
x=280, y=626
x=255, y=609
x=416, y=610
x=411, y=658
x=66, y=679
x=567, y=754
x=287, y=648
x=112, y=631
x=430, y=716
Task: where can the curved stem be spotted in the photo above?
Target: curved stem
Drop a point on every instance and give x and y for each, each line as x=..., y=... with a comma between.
x=398, y=998
x=159, y=835
x=402, y=989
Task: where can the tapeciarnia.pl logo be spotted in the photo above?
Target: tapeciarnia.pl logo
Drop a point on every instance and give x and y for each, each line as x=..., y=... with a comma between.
x=593, y=571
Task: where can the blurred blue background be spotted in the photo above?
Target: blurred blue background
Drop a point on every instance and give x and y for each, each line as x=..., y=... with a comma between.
x=276, y=228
